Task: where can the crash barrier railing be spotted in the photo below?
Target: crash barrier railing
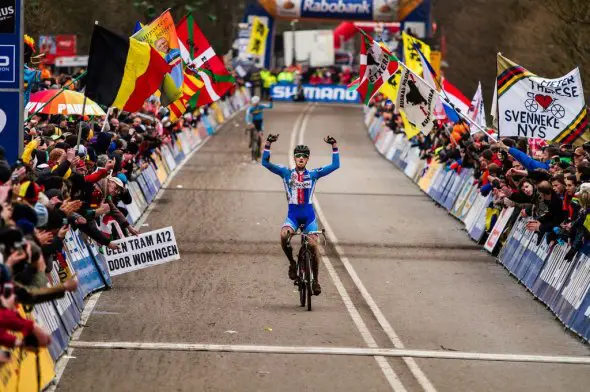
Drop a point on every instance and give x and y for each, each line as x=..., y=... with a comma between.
x=82, y=256
x=560, y=283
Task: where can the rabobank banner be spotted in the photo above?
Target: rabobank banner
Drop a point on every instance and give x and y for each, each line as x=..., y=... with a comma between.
x=320, y=93
x=377, y=10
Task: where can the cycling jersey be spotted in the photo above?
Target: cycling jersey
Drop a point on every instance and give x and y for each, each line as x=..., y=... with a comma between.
x=299, y=187
x=254, y=113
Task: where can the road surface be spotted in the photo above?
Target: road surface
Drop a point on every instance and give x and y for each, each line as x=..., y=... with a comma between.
x=402, y=274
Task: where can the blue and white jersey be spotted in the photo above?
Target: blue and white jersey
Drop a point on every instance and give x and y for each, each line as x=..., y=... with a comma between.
x=255, y=113
x=300, y=185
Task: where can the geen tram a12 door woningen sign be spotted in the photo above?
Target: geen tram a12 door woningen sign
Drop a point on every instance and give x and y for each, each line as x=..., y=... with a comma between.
x=11, y=79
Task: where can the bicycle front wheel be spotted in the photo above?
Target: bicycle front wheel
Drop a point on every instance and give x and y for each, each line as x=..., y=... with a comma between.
x=308, y=276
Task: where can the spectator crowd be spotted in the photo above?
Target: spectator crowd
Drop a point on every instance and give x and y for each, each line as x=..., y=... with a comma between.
x=548, y=184
x=73, y=174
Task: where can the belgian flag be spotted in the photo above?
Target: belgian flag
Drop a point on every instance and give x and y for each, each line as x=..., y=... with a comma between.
x=122, y=72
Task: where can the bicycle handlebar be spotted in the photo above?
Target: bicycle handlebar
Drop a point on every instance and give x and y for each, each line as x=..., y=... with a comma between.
x=302, y=234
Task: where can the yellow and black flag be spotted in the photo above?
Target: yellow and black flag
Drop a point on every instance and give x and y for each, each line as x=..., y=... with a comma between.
x=122, y=72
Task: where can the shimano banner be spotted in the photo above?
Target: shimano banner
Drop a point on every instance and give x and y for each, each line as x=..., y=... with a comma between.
x=320, y=93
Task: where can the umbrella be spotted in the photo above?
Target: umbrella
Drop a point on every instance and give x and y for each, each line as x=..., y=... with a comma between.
x=67, y=103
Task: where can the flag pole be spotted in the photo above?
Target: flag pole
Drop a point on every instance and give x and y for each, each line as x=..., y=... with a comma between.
x=56, y=95
x=82, y=120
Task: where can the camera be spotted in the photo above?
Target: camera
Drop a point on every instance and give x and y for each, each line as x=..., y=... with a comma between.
x=19, y=245
x=7, y=290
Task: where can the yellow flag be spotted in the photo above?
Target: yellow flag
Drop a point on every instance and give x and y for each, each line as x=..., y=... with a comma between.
x=410, y=129
x=391, y=87
x=411, y=56
x=257, y=43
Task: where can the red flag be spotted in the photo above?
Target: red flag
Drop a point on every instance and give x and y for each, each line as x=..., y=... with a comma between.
x=200, y=57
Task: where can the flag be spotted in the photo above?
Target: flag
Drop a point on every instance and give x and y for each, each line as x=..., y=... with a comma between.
x=411, y=47
x=416, y=100
x=431, y=77
x=494, y=109
x=161, y=35
x=454, y=98
x=535, y=107
x=409, y=129
x=122, y=72
x=200, y=58
x=377, y=65
x=391, y=87
x=258, y=35
x=476, y=110
x=192, y=87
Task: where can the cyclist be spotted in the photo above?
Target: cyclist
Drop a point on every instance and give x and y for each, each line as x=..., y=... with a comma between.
x=300, y=184
x=254, y=120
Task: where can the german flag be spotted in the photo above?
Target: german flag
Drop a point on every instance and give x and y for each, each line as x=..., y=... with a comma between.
x=122, y=72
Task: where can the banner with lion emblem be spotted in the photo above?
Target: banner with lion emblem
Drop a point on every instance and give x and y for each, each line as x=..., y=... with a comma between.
x=416, y=100
x=535, y=107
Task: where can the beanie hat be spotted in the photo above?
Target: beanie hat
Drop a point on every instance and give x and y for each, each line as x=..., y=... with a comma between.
x=30, y=191
x=42, y=214
x=23, y=212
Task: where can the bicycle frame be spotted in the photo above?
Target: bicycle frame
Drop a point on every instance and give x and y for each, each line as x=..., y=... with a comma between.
x=305, y=266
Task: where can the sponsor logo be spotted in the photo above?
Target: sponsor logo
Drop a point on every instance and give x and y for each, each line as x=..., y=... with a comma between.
x=7, y=16
x=337, y=7
x=336, y=94
x=7, y=63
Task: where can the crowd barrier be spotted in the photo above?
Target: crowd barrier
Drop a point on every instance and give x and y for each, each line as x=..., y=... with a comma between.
x=82, y=256
x=564, y=286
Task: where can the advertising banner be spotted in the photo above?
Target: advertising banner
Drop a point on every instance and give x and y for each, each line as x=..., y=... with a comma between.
x=142, y=251
x=88, y=276
x=54, y=46
x=11, y=79
x=378, y=10
x=27, y=371
x=498, y=229
x=320, y=93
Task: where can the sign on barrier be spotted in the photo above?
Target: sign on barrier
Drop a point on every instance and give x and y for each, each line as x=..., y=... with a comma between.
x=498, y=229
x=143, y=251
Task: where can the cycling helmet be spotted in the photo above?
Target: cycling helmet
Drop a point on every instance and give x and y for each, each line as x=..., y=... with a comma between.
x=301, y=149
x=255, y=100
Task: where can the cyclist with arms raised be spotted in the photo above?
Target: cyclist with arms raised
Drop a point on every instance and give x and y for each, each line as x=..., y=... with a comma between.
x=300, y=184
x=255, y=122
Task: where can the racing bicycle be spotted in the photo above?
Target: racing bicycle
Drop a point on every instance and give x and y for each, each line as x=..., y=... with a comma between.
x=305, y=266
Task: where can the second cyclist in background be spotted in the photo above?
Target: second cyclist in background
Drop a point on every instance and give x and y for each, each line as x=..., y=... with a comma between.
x=255, y=125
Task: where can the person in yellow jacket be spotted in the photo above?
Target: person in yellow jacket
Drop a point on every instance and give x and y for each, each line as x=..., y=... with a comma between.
x=285, y=76
x=268, y=80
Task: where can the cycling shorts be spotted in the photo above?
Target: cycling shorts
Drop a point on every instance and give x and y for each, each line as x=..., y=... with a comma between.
x=257, y=125
x=301, y=216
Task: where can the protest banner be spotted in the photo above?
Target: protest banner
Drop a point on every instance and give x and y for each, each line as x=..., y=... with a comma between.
x=142, y=251
x=535, y=107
